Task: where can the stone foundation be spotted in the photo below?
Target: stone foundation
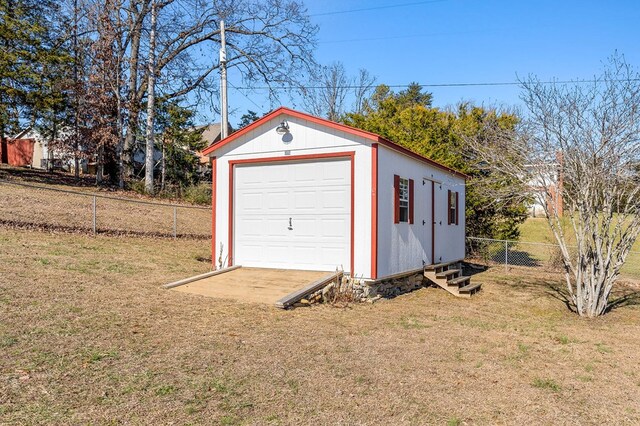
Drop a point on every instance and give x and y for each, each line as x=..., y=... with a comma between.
x=356, y=290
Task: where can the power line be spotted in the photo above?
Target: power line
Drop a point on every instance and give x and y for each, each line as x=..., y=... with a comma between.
x=410, y=36
x=390, y=6
x=243, y=94
x=436, y=85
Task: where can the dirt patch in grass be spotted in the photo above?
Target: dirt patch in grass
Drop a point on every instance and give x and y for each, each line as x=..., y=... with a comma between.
x=87, y=336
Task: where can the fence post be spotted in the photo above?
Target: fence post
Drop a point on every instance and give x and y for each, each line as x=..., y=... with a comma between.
x=506, y=256
x=175, y=222
x=94, y=215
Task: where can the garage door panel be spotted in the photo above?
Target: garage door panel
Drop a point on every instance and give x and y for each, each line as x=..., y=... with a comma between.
x=317, y=198
x=334, y=228
x=253, y=227
x=301, y=174
x=252, y=252
x=304, y=254
x=274, y=253
x=275, y=174
x=334, y=171
x=275, y=227
x=305, y=227
x=336, y=252
x=335, y=199
x=277, y=201
x=305, y=200
x=250, y=201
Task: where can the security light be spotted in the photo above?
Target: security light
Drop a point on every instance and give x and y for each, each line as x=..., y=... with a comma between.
x=283, y=128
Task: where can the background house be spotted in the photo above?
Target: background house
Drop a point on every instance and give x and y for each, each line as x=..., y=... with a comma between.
x=30, y=148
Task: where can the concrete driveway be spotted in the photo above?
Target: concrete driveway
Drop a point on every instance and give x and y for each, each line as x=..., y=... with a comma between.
x=253, y=285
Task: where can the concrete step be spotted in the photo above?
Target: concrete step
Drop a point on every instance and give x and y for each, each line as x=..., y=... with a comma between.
x=459, y=282
x=448, y=274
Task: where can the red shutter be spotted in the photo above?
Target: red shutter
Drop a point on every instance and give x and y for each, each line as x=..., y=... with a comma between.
x=457, y=208
x=449, y=207
x=396, y=199
x=410, y=200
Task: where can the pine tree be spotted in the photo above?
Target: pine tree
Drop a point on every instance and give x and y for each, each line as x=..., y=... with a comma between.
x=31, y=59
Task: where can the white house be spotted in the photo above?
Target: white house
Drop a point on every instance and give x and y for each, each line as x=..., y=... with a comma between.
x=293, y=191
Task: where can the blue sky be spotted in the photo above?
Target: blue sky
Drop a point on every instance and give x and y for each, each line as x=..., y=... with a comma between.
x=465, y=41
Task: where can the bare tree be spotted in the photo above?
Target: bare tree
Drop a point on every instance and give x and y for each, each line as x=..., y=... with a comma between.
x=580, y=146
x=270, y=42
x=150, y=140
x=362, y=88
x=326, y=91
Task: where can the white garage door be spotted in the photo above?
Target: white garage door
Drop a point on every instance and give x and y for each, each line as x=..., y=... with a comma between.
x=293, y=215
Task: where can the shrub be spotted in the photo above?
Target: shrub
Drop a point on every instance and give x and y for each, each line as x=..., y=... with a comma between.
x=198, y=194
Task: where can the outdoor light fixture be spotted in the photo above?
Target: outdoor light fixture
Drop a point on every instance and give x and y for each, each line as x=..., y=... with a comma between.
x=283, y=128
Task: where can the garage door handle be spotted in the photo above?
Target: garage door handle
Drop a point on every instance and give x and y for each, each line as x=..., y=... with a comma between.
x=290, y=225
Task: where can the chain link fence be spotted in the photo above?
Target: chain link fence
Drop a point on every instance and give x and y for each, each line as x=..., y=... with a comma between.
x=533, y=255
x=24, y=205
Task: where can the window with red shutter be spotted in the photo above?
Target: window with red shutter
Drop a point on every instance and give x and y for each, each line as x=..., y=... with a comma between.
x=396, y=199
x=410, y=200
x=449, y=207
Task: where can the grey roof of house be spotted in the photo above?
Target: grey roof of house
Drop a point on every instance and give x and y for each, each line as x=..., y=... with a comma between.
x=211, y=133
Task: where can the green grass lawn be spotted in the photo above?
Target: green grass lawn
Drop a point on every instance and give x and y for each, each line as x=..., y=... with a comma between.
x=537, y=230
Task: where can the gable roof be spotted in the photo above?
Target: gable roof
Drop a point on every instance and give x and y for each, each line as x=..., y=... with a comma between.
x=331, y=124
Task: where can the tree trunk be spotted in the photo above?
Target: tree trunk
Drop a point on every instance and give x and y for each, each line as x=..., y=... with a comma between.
x=149, y=160
x=4, y=156
x=99, y=164
x=135, y=29
x=119, y=124
x=164, y=167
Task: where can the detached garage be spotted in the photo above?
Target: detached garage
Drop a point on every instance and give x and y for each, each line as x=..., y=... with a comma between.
x=293, y=191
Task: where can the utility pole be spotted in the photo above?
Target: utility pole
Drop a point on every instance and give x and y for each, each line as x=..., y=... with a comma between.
x=76, y=97
x=224, y=125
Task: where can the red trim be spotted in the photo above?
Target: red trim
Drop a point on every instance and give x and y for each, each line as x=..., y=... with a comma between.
x=293, y=158
x=433, y=222
x=348, y=154
x=396, y=199
x=353, y=216
x=342, y=127
x=214, y=183
x=457, y=208
x=410, y=201
x=230, y=217
x=374, y=211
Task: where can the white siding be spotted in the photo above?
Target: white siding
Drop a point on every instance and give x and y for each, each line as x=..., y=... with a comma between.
x=305, y=138
x=404, y=246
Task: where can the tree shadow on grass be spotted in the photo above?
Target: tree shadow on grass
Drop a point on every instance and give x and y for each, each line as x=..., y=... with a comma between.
x=560, y=292
x=472, y=268
x=623, y=297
